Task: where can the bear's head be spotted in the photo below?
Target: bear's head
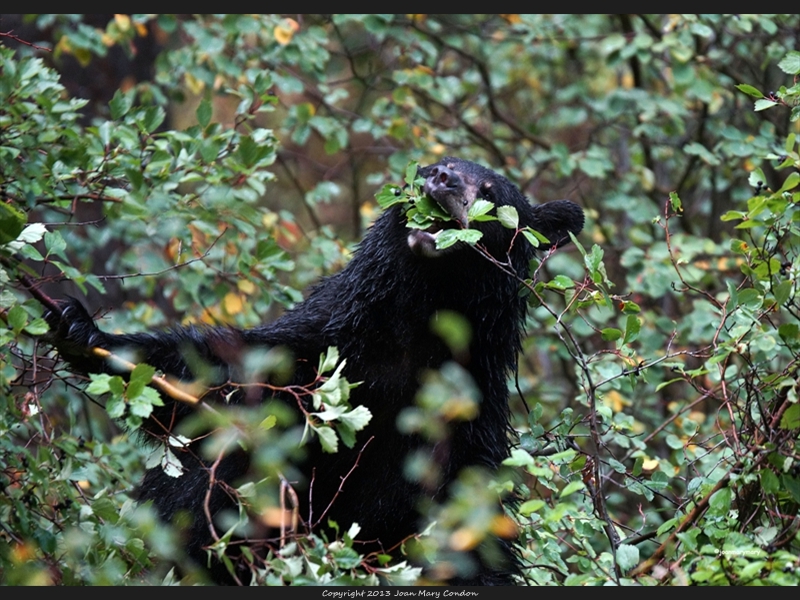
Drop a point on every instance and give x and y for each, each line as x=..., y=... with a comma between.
x=456, y=184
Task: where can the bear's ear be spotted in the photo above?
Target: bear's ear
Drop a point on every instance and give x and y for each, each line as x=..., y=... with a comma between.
x=557, y=219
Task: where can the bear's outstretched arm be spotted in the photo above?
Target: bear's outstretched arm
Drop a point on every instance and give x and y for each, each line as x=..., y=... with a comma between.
x=75, y=335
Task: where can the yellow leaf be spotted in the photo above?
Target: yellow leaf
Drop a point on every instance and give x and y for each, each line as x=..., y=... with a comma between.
x=650, y=464
x=246, y=286
x=460, y=409
x=627, y=81
x=198, y=237
x=269, y=220
x=63, y=45
x=503, y=526
x=233, y=303
x=194, y=84
x=21, y=553
x=173, y=249
x=615, y=401
x=210, y=316
x=697, y=416
x=285, y=31
x=123, y=22
x=275, y=517
x=464, y=539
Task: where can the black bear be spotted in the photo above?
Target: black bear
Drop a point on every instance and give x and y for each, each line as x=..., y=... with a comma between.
x=377, y=312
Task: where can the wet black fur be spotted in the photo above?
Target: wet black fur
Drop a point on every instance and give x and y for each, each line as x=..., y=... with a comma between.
x=377, y=311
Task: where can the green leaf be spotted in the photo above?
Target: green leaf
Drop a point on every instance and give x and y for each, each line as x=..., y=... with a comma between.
x=519, y=458
x=55, y=244
x=750, y=298
x=571, y=488
x=141, y=375
x=121, y=103
x=479, y=211
x=749, y=90
x=532, y=238
x=37, y=327
x=170, y=464
x=667, y=526
x=530, y=507
x=791, y=417
x=616, y=465
x=696, y=149
x=674, y=442
x=142, y=372
x=789, y=332
x=247, y=151
x=104, y=131
x=453, y=328
x=115, y=407
x=733, y=215
x=627, y=557
x=790, y=140
x=329, y=360
x=12, y=221
x=99, y=384
x=756, y=178
x=327, y=437
x=782, y=291
x=210, y=149
x=769, y=481
x=720, y=501
x=630, y=308
x=764, y=104
x=560, y=282
x=142, y=404
x=204, y=112
x=508, y=217
x=390, y=195
x=331, y=413
x=358, y=418
x=152, y=118
x=632, y=327
x=791, y=182
x=449, y=237
x=792, y=485
x=664, y=384
x=411, y=174
x=610, y=334
x=790, y=63
x=105, y=509
x=17, y=318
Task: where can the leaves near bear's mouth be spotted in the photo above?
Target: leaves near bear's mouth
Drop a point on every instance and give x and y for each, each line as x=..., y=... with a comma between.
x=424, y=213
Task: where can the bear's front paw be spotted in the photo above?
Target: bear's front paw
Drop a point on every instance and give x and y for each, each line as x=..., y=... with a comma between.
x=72, y=331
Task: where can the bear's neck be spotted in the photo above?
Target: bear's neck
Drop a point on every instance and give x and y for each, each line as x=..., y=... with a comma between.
x=385, y=307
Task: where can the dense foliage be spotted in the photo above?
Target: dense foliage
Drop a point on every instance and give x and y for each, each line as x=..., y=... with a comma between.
x=657, y=396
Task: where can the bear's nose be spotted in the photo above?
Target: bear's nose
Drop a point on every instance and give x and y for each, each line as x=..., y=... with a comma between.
x=449, y=190
x=440, y=179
